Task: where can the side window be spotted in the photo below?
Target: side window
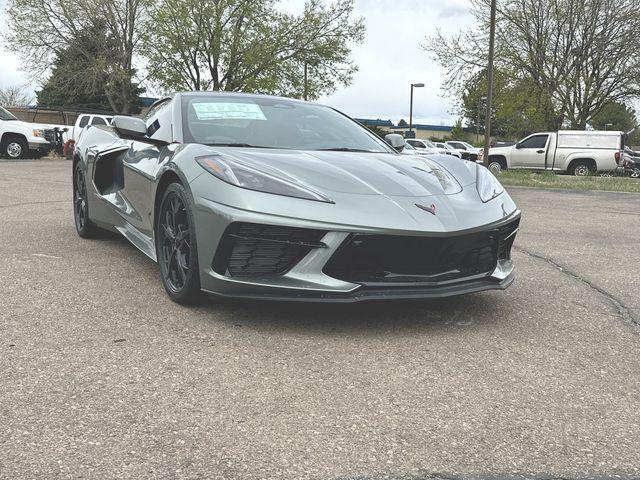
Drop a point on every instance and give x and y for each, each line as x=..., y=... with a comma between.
x=84, y=121
x=98, y=121
x=459, y=146
x=537, y=141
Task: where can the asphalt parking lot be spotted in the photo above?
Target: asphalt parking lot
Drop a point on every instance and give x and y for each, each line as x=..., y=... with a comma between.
x=104, y=377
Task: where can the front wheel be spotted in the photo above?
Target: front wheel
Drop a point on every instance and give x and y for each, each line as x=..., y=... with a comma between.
x=176, y=246
x=15, y=148
x=635, y=173
x=495, y=167
x=85, y=227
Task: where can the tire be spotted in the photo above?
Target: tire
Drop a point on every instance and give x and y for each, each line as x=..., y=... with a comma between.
x=15, y=148
x=84, y=226
x=495, y=167
x=176, y=246
x=582, y=168
x=635, y=173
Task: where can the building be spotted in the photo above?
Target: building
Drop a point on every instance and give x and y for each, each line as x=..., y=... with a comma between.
x=423, y=131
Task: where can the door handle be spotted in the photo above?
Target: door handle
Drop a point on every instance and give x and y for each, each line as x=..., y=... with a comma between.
x=540, y=151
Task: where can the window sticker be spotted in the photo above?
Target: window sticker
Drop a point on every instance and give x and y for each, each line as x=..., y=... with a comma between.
x=223, y=111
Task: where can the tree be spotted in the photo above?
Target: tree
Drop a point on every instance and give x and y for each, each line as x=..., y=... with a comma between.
x=15, y=96
x=575, y=53
x=615, y=116
x=78, y=82
x=42, y=29
x=251, y=45
x=402, y=123
x=515, y=109
x=457, y=132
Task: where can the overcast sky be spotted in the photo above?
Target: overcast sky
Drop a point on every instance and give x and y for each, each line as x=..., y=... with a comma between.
x=389, y=60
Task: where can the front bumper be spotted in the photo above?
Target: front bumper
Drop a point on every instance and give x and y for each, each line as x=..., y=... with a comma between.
x=41, y=146
x=307, y=279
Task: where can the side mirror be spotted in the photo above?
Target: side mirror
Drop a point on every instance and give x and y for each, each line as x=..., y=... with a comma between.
x=517, y=145
x=395, y=140
x=129, y=126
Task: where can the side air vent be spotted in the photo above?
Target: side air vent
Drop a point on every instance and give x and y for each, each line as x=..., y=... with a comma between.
x=109, y=176
x=254, y=250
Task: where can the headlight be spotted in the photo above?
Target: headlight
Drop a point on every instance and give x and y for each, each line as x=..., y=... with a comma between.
x=245, y=176
x=488, y=186
x=37, y=133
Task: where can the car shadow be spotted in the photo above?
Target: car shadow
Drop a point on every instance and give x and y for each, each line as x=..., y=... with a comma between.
x=382, y=317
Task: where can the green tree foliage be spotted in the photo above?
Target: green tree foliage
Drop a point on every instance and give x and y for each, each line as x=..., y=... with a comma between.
x=573, y=55
x=76, y=82
x=41, y=31
x=251, y=45
x=402, y=123
x=518, y=108
x=457, y=132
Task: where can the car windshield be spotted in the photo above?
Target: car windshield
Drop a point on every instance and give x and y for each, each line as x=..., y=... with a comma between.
x=429, y=143
x=266, y=122
x=6, y=115
x=408, y=146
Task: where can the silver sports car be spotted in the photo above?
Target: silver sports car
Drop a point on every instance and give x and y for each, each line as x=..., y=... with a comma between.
x=272, y=198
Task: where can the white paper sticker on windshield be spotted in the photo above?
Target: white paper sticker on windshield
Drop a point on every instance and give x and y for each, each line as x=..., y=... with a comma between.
x=223, y=111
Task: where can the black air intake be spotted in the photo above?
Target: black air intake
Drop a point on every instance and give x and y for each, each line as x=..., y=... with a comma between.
x=254, y=250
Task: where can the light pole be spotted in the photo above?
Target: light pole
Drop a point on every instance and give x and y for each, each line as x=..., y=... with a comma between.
x=416, y=85
x=487, y=123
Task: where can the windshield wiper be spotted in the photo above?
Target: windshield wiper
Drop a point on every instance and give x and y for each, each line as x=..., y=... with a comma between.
x=244, y=145
x=346, y=149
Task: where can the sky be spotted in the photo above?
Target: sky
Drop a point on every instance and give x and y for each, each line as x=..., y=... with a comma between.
x=389, y=60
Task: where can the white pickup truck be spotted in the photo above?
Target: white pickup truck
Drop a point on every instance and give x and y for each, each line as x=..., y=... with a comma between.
x=20, y=139
x=576, y=152
x=82, y=121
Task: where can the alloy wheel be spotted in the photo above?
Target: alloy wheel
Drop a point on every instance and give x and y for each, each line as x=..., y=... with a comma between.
x=635, y=173
x=175, y=242
x=80, y=199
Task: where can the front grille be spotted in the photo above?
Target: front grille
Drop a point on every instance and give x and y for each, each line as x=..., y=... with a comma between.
x=50, y=135
x=376, y=259
x=254, y=250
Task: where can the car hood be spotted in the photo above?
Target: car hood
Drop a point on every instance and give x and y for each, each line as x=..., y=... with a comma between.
x=24, y=125
x=498, y=150
x=360, y=173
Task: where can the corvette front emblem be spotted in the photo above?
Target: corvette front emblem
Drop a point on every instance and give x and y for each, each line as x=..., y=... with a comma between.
x=431, y=209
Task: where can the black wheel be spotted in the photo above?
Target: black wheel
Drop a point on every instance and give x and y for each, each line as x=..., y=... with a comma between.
x=84, y=226
x=15, y=148
x=176, y=246
x=635, y=173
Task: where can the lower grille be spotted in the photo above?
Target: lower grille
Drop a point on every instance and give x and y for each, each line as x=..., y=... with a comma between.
x=254, y=250
x=376, y=259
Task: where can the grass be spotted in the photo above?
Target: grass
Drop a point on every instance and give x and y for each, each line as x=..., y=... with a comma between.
x=524, y=178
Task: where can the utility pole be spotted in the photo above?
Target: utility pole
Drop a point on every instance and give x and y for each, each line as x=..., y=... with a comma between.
x=487, y=123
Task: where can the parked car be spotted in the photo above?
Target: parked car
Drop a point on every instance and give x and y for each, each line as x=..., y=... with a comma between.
x=264, y=197
x=428, y=147
x=631, y=162
x=576, y=152
x=20, y=139
x=449, y=149
x=466, y=150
